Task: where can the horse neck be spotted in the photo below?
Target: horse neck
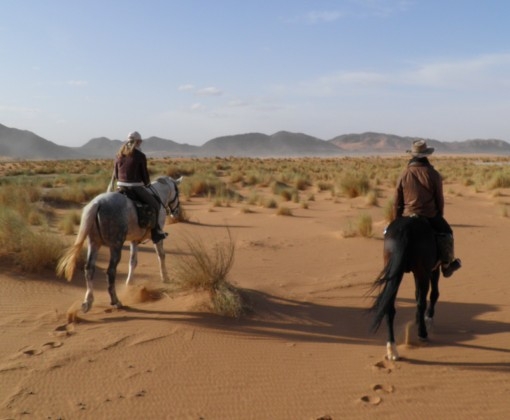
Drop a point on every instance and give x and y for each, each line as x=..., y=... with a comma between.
x=164, y=190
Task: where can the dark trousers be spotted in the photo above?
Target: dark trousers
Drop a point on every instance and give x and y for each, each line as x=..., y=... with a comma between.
x=143, y=195
x=440, y=225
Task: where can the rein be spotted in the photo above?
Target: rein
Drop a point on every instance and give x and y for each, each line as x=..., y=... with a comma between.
x=167, y=207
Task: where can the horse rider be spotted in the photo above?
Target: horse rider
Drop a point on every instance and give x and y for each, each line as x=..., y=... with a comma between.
x=419, y=192
x=132, y=174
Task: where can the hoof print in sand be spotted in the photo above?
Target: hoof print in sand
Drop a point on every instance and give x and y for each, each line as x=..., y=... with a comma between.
x=385, y=365
x=383, y=388
x=371, y=400
x=45, y=346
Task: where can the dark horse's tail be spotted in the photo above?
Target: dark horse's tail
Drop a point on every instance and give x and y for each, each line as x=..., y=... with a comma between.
x=396, y=248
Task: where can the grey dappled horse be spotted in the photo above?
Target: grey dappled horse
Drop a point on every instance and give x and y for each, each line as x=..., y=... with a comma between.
x=110, y=219
x=409, y=246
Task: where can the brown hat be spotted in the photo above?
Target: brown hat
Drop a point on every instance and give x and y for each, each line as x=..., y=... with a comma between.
x=420, y=149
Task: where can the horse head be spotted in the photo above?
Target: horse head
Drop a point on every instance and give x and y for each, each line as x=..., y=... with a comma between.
x=171, y=201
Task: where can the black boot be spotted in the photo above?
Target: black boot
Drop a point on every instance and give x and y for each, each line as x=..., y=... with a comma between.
x=449, y=269
x=449, y=264
x=157, y=234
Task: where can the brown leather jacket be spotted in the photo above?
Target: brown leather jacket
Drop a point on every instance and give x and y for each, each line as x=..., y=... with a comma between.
x=419, y=190
x=132, y=169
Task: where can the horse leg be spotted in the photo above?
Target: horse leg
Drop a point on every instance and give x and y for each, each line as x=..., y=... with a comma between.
x=162, y=266
x=90, y=268
x=422, y=289
x=133, y=260
x=391, y=347
x=115, y=253
x=434, y=295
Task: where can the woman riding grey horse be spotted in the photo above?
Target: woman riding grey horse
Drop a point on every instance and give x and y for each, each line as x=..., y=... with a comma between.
x=132, y=176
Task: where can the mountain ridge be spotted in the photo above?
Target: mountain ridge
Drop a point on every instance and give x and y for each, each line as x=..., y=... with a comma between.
x=24, y=144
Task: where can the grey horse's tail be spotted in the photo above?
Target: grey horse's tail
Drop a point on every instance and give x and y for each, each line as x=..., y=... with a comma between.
x=67, y=263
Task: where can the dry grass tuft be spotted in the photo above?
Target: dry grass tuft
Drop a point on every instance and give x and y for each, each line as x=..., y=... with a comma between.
x=30, y=251
x=206, y=268
x=284, y=211
x=365, y=225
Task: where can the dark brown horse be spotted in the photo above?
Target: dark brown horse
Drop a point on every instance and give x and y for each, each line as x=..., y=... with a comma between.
x=409, y=246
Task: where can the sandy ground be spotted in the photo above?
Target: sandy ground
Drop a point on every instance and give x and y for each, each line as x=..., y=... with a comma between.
x=304, y=353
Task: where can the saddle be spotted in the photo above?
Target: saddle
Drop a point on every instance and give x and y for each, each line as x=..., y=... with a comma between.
x=147, y=216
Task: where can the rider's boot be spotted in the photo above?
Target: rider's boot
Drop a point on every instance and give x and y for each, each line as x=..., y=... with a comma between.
x=449, y=264
x=157, y=234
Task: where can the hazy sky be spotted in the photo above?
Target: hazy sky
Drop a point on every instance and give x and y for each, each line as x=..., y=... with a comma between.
x=192, y=70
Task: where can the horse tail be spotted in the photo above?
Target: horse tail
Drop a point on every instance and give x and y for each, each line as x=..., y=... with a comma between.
x=388, y=281
x=67, y=264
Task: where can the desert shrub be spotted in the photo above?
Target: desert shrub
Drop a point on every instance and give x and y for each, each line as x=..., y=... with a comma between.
x=253, y=198
x=277, y=187
x=35, y=218
x=325, y=186
x=236, y=177
x=270, y=203
x=354, y=185
x=284, y=211
x=12, y=229
x=371, y=197
x=349, y=231
x=227, y=301
x=17, y=198
x=499, y=180
x=246, y=210
x=301, y=181
x=286, y=195
x=365, y=225
x=69, y=221
x=30, y=251
x=388, y=210
x=206, y=268
x=203, y=185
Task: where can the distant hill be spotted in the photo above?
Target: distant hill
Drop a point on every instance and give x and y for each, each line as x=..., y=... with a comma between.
x=22, y=144
x=282, y=143
x=378, y=143
x=102, y=147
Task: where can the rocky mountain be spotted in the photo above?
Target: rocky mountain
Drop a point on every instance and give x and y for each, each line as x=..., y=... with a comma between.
x=22, y=144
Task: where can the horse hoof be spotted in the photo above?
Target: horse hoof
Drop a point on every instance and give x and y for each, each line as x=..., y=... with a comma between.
x=85, y=307
x=423, y=339
x=117, y=305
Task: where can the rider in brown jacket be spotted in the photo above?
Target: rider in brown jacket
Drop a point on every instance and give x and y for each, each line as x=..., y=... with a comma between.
x=420, y=192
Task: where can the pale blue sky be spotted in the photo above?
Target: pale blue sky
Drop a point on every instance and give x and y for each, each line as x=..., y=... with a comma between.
x=192, y=70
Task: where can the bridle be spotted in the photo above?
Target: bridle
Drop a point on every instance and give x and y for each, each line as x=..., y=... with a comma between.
x=173, y=206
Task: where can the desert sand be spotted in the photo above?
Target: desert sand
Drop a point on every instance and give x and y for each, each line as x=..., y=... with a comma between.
x=305, y=350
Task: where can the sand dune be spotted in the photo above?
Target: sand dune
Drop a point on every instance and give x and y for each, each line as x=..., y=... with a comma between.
x=304, y=353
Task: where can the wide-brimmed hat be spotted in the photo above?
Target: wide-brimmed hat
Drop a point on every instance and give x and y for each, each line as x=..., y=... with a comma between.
x=420, y=149
x=134, y=136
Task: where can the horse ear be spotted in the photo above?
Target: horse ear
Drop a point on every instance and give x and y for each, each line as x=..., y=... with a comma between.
x=179, y=180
